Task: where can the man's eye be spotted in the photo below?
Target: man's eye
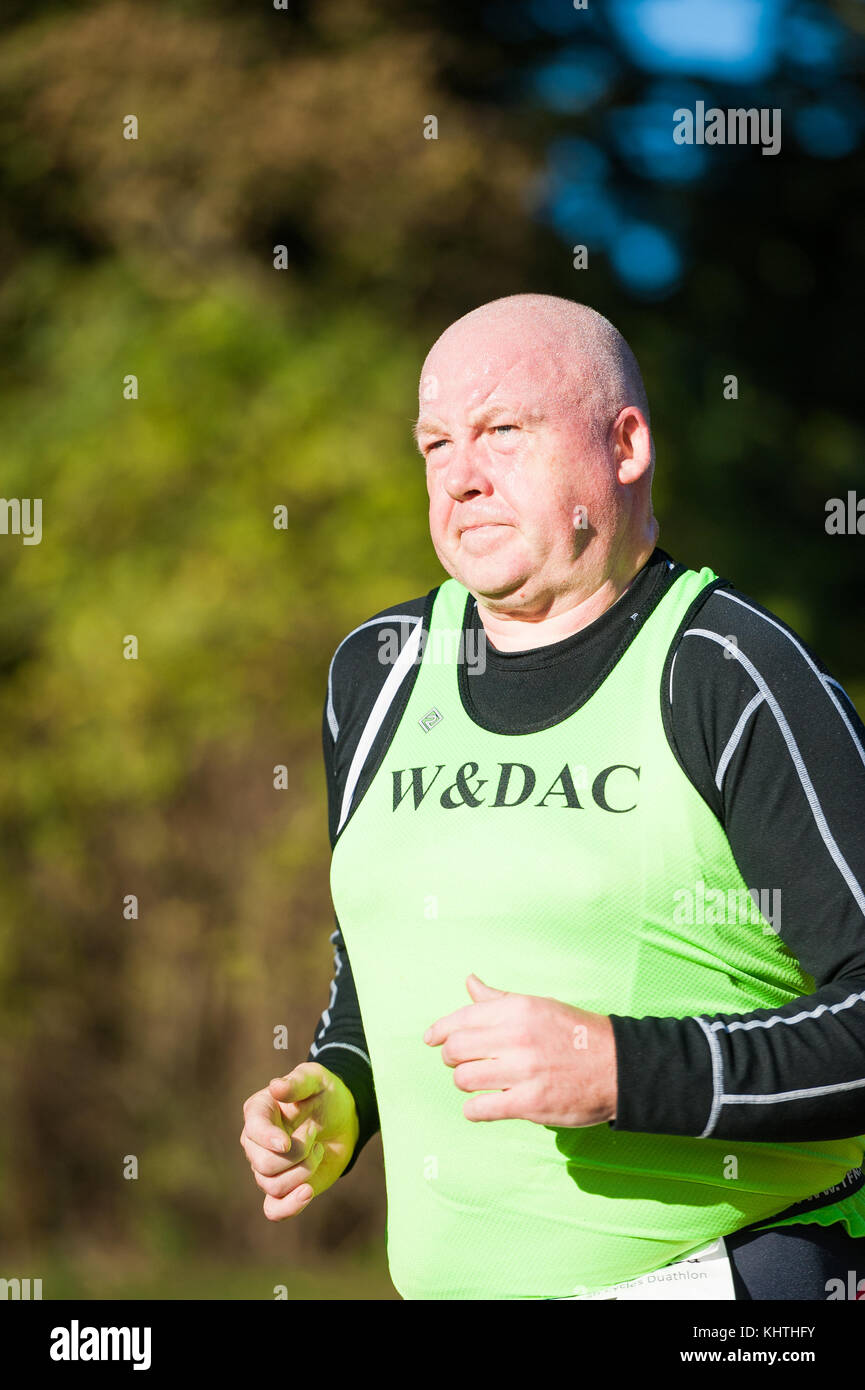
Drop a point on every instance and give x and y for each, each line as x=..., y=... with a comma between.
x=435, y=444
x=504, y=427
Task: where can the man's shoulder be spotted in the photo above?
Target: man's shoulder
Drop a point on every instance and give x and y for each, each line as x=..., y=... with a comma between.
x=365, y=638
x=735, y=652
x=363, y=657
x=734, y=624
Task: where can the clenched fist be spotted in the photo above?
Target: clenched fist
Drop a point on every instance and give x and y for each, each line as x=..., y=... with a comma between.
x=299, y=1135
x=536, y=1058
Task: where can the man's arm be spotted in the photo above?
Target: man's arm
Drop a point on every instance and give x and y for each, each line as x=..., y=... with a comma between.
x=340, y=1046
x=355, y=678
x=777, y=750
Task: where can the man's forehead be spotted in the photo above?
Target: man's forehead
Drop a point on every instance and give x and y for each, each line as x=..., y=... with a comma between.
x=470, y=382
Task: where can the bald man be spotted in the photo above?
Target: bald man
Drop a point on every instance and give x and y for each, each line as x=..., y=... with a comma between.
x=597, y=870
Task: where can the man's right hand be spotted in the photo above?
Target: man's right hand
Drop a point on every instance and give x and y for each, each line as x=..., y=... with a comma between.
x=299, y=1135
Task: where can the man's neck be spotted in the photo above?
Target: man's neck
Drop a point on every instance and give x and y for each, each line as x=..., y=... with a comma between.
x=516, y=633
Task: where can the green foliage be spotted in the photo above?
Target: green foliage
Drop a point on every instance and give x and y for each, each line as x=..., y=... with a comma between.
x=155, y=776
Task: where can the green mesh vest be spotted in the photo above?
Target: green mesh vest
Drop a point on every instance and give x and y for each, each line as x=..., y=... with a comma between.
x=552, y=864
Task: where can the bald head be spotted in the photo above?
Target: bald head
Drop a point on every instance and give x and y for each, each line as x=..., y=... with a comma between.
x=534, y=428
x=596, y=375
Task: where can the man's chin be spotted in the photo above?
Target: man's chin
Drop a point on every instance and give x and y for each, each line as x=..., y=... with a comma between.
x=490, y=582
x=493, y=576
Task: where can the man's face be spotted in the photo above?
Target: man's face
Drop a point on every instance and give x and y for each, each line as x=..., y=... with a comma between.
x=509, y=457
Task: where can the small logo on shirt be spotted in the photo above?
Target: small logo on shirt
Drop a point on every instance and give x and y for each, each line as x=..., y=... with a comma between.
x=430, y=719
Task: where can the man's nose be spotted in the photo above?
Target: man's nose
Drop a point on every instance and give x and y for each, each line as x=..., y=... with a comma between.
x=466, y=473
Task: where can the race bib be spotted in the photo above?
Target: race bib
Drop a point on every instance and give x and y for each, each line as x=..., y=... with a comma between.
x=704, y=1275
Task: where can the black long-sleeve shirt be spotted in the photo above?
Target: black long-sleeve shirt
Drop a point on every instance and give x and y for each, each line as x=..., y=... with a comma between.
x=775, y=747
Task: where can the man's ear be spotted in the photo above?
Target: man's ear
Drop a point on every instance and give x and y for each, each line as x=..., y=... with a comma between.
x=632, y=426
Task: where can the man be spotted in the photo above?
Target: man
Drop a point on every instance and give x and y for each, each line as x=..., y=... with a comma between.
x=607, y=881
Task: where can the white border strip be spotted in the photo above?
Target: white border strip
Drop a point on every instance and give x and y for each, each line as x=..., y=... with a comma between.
x=387, y=618
x=383, y=702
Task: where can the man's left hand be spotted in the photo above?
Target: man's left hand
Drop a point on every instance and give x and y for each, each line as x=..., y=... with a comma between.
x=539, y=1059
